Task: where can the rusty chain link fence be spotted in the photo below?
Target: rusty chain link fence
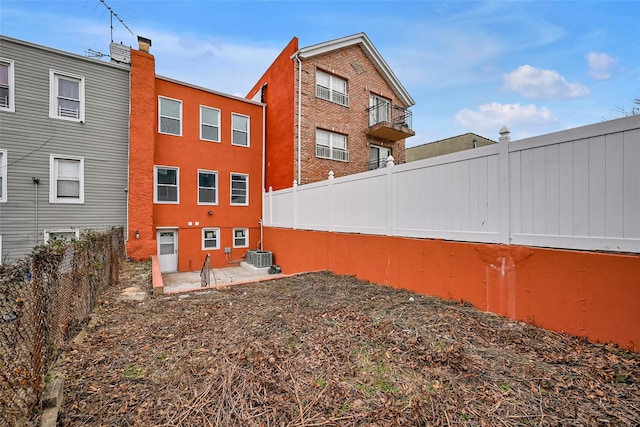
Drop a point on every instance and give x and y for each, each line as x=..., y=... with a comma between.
x=45, y=299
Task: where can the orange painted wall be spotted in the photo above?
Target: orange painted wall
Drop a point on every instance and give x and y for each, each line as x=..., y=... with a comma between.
x=594, y=295
x=280, y=112
x=187, y=152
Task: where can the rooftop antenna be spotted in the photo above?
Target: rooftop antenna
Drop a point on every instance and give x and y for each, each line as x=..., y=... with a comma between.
x=112, y=14
x=94, y=53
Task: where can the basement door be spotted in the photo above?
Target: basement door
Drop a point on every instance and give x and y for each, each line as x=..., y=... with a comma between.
x=167, y=250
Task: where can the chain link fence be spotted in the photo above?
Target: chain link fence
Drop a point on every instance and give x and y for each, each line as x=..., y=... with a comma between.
x=45, y=299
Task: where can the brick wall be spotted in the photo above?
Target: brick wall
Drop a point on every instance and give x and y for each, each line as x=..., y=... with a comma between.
x=362, y=78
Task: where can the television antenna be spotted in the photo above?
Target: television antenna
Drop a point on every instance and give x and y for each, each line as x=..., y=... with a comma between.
x=112, y=14
x=90, y=53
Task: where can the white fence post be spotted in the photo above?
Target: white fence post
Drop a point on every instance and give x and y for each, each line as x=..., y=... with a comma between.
x=270, y=205
x=389, y=199
x=331, y=201
x=295, y=204
x=505, y=208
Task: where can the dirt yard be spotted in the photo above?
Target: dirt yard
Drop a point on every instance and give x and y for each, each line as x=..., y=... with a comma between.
x=326, y=350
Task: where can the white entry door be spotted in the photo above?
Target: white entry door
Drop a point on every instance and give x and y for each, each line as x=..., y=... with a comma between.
x=167, y=250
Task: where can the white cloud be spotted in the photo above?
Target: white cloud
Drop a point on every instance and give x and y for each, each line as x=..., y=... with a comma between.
x=600, y=65
x=537, y=83
x=489, y=118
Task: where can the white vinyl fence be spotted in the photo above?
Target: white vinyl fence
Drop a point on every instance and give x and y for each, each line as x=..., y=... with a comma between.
x=574, y=189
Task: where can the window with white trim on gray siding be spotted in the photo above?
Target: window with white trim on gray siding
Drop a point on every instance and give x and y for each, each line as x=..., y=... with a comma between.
x=7, y=88
x=67, y=96
x=66, y=178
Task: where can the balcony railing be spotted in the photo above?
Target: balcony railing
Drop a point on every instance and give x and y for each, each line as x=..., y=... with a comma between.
x=384, y=113
x=390, y=122
x=332, y=153
x=332, y=95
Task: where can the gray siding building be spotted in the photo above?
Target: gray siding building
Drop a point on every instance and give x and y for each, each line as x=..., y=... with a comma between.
x=64, y=137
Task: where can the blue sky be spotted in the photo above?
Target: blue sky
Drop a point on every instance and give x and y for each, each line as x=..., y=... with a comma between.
x=470, y=66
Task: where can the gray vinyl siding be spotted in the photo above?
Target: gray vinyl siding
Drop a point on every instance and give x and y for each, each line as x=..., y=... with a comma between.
x=30, y=136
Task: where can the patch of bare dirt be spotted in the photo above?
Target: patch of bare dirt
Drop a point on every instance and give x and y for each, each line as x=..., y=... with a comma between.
x=326, y=350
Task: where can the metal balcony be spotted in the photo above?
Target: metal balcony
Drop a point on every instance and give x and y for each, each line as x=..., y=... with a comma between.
x=389, y=123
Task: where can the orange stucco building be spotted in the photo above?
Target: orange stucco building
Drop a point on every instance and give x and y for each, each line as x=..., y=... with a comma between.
x=195, y=180
x=334, y=106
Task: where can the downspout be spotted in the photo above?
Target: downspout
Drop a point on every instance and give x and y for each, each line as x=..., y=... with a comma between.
x=264, y=145
x=299, y=115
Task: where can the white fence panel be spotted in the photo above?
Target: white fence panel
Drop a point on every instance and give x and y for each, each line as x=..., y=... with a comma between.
x=313, y=202
x=360, y=202
x=574, y=189
x=578, y=189
x=450, y=198
x=282, y=208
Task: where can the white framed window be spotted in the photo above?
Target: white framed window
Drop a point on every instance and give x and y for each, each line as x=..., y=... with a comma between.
x=331, y=145
x=7, y=85
x=331, y=88
x=210, y=238
x=66, y=93
x=166, y=184
x=239, y=189
x=240, y=237
x=61, y=234
x=209, y=124
x=207, y=187
x=66, y=179
x=169, y=116
x=3, y=176
x=240, y=130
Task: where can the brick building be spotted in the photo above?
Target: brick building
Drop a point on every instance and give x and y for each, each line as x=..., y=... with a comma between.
x=334, y=106
x=195, y=171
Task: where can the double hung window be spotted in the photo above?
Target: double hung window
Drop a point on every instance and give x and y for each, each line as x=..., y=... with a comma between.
x=210, y=238
x=66, y=178
x=240, y=237
x=209, y=124
x=207, y=187
x=166, y=185
x=331, y=145
x=6, y=85
x=331, y=88
x=170, y=120
x=239, y=189
x=67, y=96
x=240, y=129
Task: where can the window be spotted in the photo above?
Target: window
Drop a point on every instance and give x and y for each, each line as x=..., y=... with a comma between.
x=240, y=130
x=379, y=110
x=207, y=187
x=239, y=189
x=210, y=238
x=6, y=85
x=166, y=185
x=378, y=156
x=64, y=234
x=3, y=176
x=66, y=179
x=331, y=145
x=209, y=124
x=67, y=96
x=240, y=237
x=170, y=120
x=331, y=88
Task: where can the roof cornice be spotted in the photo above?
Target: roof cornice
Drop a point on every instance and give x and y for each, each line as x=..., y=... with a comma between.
x=369, y=50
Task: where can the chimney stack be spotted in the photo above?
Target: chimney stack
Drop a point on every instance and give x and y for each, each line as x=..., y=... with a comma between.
x=144, y=44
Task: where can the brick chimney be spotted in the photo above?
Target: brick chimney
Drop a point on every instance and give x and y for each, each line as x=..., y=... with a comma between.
x=144, y=44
